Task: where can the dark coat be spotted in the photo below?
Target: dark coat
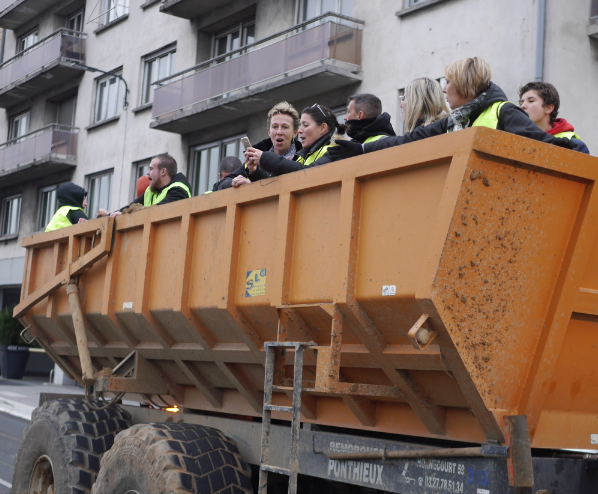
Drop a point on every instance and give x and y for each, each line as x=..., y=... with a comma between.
x=360, y=130
x=69, y=194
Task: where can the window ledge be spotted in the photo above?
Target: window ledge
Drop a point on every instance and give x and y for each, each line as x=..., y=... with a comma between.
x=5, y=238
x=110, y=24
x=417, y=6
x=102, y=123
x=142, y=107
x=593, y=31
x=149, y=3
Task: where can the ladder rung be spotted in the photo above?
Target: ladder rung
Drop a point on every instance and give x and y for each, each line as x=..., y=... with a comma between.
x=270, y=468
x=276, y=408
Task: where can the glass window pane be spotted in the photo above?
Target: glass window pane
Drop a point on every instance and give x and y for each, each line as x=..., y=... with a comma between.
x=234, y=40
x=112, y=97
x=221, y=45
x=172, y=63
x=164, y=67
x=309, y=9
x=213, y=169
x=249, y=35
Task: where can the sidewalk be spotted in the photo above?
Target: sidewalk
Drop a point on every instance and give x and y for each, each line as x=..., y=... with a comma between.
x=20, y=397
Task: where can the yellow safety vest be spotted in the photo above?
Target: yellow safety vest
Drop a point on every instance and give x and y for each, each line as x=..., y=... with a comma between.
x=568, y=135
x=150, y=198
x=374, y=138
x=489, y=117
x=313, y=156
x=60, y=218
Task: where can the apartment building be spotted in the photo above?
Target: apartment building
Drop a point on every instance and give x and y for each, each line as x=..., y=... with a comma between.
x=90, y=90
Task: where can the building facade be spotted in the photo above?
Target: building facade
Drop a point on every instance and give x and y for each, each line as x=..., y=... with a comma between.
x=197, y=75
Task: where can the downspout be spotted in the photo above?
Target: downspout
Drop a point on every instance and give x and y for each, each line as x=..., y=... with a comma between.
x=540, y=29
x=2, y=46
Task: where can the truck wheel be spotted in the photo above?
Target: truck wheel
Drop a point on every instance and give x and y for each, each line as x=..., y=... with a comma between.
x=62, y=445
x=173, y=459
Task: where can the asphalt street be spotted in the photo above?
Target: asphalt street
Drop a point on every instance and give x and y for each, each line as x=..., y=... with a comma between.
x=11, y=429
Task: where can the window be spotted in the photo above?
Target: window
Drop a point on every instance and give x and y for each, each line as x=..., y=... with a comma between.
x=113, y=9
x=11, y=212
x=308, y=9
x=19, y=126
x=107, y=98
x=48, y=205
x=207, y=158
x=156, y=67
x=241, y=35
x=74, y=21
x=26, y=41
x=99, y=187
x=140, y=169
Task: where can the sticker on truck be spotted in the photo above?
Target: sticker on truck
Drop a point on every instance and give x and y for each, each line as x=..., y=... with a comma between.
x=388, y=290
x=255, y=283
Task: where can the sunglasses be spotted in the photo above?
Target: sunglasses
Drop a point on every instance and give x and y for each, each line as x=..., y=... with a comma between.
x=319, y=108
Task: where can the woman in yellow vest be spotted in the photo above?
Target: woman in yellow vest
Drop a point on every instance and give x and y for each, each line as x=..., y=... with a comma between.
x=541, y=101
x=475, y=101
x=318, y=131
x=72, y=200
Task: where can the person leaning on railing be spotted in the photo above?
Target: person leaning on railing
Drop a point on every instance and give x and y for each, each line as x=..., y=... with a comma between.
x=72, y=200
x=475, y=101
x=318, y=131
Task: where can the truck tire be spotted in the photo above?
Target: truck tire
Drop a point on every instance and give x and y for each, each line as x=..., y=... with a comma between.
x=62, y=446
x=173, y=459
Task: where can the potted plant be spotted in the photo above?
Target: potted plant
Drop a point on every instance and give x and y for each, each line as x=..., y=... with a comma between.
x=14, y=354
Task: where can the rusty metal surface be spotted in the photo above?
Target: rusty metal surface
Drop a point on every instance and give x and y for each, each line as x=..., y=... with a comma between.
x=490, y=235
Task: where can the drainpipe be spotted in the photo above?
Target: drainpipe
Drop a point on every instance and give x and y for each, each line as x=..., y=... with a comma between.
x=540, y=28
x=2, y=46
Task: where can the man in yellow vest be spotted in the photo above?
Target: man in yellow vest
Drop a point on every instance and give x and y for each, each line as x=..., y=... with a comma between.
x=541, y=101
x=166, y=185
x=72, y=200
x=364, y=119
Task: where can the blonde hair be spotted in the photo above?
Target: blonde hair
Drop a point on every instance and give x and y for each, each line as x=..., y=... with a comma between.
x=470, y=77
x=284, y=108
x=424, y=100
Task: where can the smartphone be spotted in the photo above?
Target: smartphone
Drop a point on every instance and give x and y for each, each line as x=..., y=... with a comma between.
x=245, y=142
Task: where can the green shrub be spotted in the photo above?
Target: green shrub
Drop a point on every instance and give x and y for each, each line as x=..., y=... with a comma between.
x=10, y=328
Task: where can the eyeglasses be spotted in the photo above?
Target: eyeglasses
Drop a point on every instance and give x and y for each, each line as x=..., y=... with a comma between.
x=319, y=108
x=402, y=99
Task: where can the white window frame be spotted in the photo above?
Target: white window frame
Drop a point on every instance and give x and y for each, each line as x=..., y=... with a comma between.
x=103, y=107
x=113, y=9
x=19, y=125
x=29, y=39
x=94, y=203
x=319, y=6
x=242, y=29
x=7, y=202
x=139, y=169
x=44, y=219
x=151, y=63
x=209, y=176
x=79, y=19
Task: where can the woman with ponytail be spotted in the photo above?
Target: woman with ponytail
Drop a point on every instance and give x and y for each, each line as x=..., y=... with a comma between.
x=318, y=131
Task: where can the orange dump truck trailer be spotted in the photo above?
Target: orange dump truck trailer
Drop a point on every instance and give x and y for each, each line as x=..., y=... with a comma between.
x=427, y=315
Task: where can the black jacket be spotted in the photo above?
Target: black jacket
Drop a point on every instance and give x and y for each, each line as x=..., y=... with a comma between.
x=69, y=194
x=277, y=165
x=511, y=119
x=360, y=130
x=173, y=195
x=259, y=173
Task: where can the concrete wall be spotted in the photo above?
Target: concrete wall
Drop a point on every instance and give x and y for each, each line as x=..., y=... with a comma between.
x=396, y=50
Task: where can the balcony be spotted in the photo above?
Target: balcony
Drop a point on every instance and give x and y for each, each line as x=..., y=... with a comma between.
x=593, y=27
x=189, y=9
x=15, y=13
x=48, y=150
x=321, y=55
x=44, y=66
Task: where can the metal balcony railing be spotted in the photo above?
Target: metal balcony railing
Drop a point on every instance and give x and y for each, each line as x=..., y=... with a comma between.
x=61, y=44
x=327, y=37
x=52, y=142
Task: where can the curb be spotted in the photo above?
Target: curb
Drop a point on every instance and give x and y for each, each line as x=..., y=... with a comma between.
x=16, y=409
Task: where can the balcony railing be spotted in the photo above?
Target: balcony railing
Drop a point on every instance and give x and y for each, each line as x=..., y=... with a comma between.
x=51, y=144
x=61, y=48
x=330, y=38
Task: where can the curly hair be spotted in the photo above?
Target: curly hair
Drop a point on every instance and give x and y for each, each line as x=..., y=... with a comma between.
x=547, y=92
x=284, y=108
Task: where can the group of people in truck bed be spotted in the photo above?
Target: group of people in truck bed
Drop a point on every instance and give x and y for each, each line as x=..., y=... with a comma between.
x=317, y=138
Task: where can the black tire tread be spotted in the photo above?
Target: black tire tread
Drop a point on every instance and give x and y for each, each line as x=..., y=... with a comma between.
x=186, y=459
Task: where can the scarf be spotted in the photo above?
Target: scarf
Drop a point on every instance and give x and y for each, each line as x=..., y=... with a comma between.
x=458, y=119
x=290, y=154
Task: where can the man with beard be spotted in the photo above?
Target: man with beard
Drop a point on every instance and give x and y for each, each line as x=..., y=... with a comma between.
x=365, y=120
x=166, y=185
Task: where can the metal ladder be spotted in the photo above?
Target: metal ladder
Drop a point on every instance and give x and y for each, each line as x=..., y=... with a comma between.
x=295, y=409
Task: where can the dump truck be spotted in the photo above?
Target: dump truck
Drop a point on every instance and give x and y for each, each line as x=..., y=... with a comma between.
x=422, y=319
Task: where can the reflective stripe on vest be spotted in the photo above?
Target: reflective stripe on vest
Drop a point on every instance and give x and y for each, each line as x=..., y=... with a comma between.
x=313, y=156
x=489, y=117
x=60, y=218
x=374, y=138
x=568, y=135
x=150, y=198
